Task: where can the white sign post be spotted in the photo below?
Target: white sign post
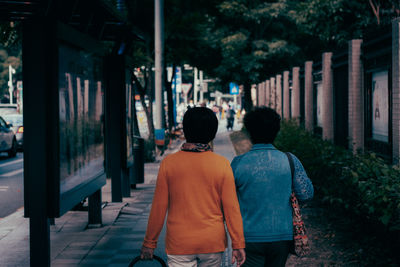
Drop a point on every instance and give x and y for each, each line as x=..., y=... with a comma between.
x=11, y=71
x=185, y=90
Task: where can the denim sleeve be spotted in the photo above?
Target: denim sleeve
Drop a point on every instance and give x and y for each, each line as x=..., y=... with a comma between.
x=234, y=165
x=303, y=187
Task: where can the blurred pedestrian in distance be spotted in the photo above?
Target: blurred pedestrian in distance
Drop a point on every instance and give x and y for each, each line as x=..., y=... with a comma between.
x=196, y=188
x=264, y=185
x=215, y=109
x=230, y=118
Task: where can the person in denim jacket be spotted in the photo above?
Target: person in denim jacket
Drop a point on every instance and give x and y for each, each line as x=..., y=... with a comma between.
x=264, y=185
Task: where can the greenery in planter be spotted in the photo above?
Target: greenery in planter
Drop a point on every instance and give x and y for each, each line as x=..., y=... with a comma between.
x=362, y=184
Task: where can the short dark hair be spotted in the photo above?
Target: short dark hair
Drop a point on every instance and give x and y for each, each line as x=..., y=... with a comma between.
x=262, y=124
x=200, y=125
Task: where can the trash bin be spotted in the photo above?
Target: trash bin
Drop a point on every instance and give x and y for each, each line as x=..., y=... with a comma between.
x=137, y=175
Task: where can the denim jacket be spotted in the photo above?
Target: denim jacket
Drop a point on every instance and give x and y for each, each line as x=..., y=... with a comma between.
x=264, y=185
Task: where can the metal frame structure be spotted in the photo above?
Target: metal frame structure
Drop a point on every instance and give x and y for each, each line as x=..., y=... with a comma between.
x=340, y=68
x=377, y=56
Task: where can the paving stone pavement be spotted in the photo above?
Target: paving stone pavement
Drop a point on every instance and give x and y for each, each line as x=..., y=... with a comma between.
x=113, y=244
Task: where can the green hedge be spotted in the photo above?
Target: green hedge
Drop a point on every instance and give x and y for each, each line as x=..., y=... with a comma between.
x=362, y=184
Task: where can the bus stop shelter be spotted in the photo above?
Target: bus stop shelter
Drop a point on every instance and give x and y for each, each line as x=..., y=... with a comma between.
x=77, y=90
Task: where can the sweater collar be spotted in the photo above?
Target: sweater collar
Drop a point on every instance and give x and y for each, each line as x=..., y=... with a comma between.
x=262, y=146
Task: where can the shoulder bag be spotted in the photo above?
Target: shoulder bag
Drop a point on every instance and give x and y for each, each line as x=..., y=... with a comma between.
x=300, y=246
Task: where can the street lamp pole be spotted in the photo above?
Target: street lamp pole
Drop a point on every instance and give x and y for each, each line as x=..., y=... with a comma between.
x=159, y=65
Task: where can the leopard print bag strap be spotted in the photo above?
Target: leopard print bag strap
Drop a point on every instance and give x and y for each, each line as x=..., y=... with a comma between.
x=300, y=246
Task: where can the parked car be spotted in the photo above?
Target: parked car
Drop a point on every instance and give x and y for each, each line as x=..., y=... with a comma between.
x=8, y=141
x=16, y=120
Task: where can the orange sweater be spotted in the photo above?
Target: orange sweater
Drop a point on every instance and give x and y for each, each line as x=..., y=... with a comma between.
x=198, y=191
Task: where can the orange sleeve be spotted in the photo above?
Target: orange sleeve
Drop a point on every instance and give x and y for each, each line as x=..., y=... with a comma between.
x=158, y=210
x=231, y=210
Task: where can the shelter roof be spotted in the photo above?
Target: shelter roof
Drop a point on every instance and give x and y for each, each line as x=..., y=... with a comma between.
x=98, y=18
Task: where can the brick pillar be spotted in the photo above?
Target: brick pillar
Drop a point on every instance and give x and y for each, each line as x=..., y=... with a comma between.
x=356, y=97
x=262, y=94
x=254, y=94
x=296, y=93
x=327, y=100
x=308, y=89
x=273, y=93
x=286, y=98
x=267, y=93
x=396, y=90
x=278, y=101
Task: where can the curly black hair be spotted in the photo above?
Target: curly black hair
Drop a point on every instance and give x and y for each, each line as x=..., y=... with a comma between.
x=200, y=125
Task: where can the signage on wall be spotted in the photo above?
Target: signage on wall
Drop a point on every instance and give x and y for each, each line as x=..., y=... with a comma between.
x=380, y=106
x=319, y=104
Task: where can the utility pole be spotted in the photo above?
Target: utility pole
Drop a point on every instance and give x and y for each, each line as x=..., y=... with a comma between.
x=159, y=65
x=195, y=86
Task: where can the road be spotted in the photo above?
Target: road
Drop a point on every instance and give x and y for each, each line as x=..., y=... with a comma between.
x=11, y=184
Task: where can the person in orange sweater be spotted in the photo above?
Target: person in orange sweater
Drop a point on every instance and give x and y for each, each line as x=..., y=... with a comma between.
x=196, y=188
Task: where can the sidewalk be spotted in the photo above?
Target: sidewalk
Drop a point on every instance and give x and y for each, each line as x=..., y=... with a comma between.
x=114, y=244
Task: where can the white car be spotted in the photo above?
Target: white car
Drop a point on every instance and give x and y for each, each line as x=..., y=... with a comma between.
x=8, y=142
x=8, y=109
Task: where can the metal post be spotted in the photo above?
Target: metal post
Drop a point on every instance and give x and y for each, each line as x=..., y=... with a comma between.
x=126, y=184
x=39, y=72
x=115, y=108
x=94, y=211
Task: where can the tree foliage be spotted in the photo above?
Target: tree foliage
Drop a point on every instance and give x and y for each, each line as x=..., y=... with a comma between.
x=259, y=38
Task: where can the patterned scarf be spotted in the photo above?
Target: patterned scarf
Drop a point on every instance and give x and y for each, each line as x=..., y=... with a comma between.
x=196, y=147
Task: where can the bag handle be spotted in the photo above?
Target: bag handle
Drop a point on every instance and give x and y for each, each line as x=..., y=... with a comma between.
x=137, y=259
x=291, y=168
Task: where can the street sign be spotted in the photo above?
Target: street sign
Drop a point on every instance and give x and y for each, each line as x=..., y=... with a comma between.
x=178, y=80
x=186, y=88
x=233, y=89
x=19, y=85
x=204, y=87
